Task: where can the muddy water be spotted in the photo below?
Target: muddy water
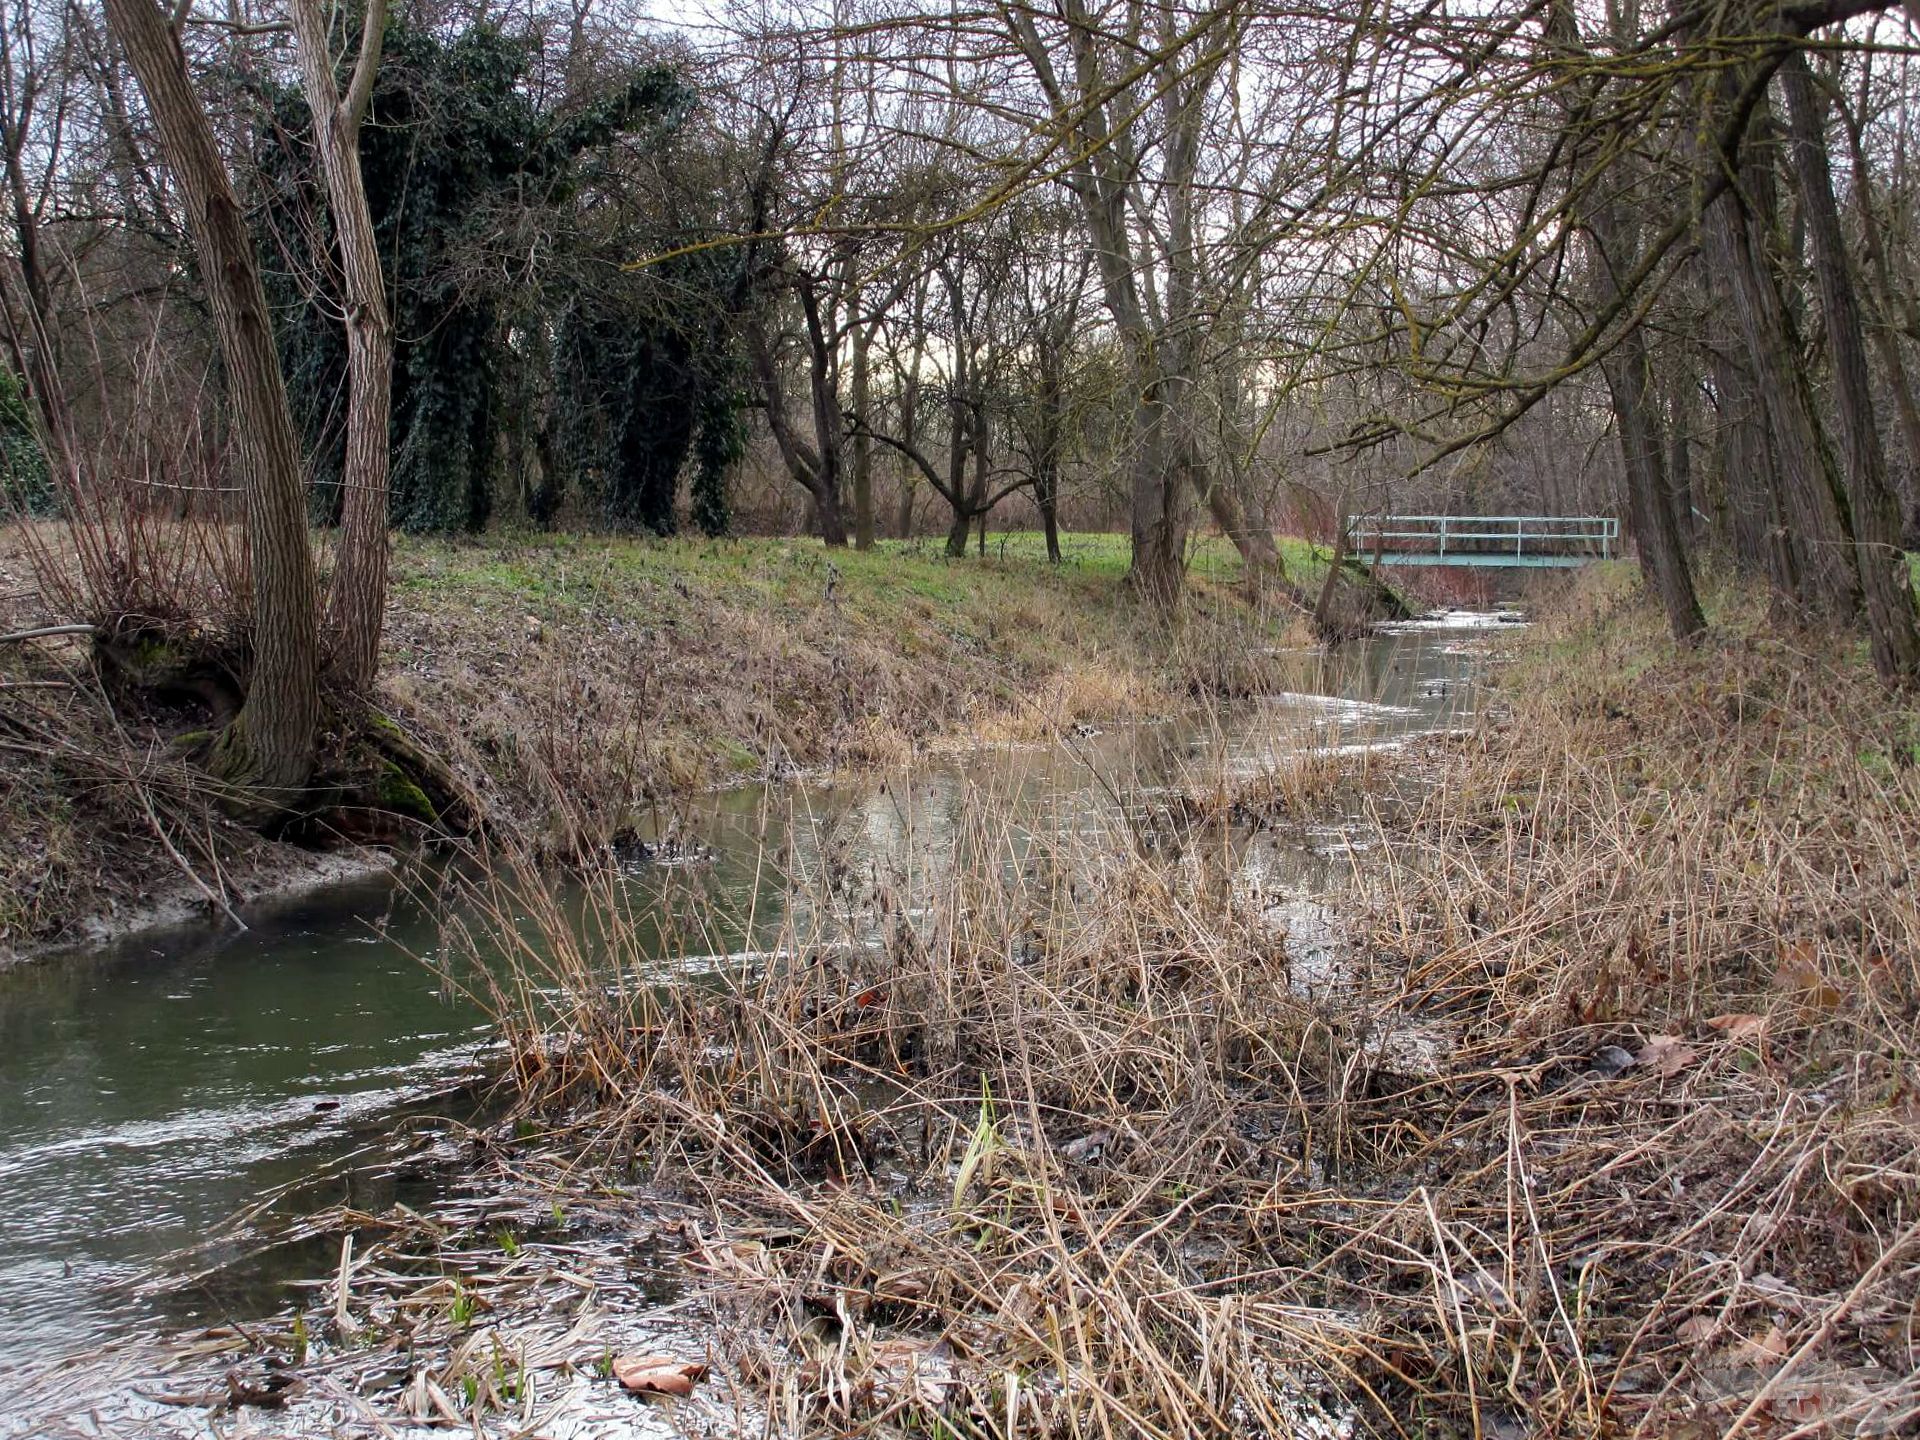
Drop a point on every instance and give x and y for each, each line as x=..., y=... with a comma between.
x=150, y=1091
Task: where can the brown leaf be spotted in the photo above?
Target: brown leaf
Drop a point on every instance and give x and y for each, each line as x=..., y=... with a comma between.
x=1666, y=1055
x=1764, y=1350
x=1799, y=975
x=1697, y=1330
x=658, y=1374
x=1804, y=1403
x=1739, y=1026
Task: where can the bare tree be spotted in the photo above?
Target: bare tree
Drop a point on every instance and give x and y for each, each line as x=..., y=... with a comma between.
x=1875, y=518
x=31, y=85
x=356, y=598
x=269, y=744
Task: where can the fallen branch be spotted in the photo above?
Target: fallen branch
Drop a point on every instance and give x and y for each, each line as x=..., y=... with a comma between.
x=46, y=632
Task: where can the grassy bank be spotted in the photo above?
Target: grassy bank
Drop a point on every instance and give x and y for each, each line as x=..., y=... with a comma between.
x=582, y=680
x=1602, y=1121
x=577, y=685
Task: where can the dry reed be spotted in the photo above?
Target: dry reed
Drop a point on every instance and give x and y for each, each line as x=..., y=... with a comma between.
x=1609, y=1125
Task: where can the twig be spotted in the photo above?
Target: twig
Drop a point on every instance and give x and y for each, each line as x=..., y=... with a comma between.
x=1828, y=1324
x=46, y=632
x=218, y=901
x=173, y=851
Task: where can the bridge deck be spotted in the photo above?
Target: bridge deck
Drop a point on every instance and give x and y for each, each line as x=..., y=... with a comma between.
x=1556, y=542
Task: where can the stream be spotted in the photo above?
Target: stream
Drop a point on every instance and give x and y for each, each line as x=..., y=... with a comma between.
x=151, y=1090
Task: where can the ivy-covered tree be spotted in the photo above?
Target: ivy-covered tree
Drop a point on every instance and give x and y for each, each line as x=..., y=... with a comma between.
x=24, y=484
x=644, y=385
x=508, y=220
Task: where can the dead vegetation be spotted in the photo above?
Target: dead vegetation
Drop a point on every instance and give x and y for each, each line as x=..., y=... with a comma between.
x=578, y=684
x=1610, y=1127
x=1605, y=1120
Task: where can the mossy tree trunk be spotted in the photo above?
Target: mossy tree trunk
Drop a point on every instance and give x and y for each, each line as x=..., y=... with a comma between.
x=1613, y=243
x=1628, y=369
x=1737, y=230
x=1875, y=515
x=863, y=528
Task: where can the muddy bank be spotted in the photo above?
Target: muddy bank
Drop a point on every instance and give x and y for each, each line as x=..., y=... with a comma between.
x=277, y=875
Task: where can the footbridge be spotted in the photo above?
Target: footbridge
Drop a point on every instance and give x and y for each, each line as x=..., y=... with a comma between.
x=1557, y=542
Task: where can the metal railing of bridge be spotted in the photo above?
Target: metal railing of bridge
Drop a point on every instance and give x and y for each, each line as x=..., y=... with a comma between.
x=1485, y=540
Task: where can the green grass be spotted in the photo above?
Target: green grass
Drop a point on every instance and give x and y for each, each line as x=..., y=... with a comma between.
x=1209, y=557
x=774, y=566
x=558, y=571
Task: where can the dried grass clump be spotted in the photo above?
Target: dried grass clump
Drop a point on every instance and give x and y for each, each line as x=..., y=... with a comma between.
x=984, y=1145
x=1666, y=912
x=1609, y=1123
x=578, y=685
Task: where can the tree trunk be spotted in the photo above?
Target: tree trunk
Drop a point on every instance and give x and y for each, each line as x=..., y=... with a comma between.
x=977, y=501
x=829, y=426
x=815, y=467
x=1901, y=384
x=1628, y=371
x=1049, y=403
x=833, y=523
x=910, y=434
x=356, y=600
x=1046, y=495
x=862, y=444
x=1155, y=520
x=270, y=743
x=1809, y=501
x=36, y=357
x=1329, y=587
x=960, y=442
x=1886, y=340
x=1662, y=545
x=1259, y=559
x=1876, y=518
x=1101, y=179
x=1750, y=487
x=957, y=533
x=1629, y=375
x=1680, y=489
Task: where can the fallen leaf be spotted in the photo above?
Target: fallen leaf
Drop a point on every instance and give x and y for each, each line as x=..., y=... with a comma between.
x=1803, y=1403
x=1799, y=975
x=1697, y=1330
x=1666, y=1055
x=1739, y=1026
x=903, y=1364
x=1766, y=1349
x=658, y=1374
x=901, y=1287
